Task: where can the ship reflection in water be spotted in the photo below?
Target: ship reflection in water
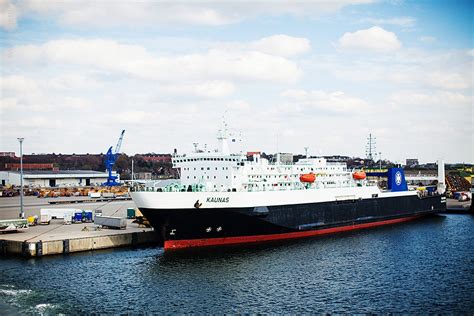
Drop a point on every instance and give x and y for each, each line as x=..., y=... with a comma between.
x=423, y=266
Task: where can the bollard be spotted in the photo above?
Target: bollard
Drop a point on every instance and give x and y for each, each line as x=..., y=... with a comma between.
x=66, y=246
x=134, y=240
x=39, y=248
x=3, y=247
x=25, y=249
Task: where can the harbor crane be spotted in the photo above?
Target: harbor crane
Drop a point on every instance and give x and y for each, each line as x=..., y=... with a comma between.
x=110, y=159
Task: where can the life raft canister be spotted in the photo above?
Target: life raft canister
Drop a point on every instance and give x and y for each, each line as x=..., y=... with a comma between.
x=308, y=177
x=359, y=175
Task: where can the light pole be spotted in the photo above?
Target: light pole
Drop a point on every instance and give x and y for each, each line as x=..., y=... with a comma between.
x=380, y=160
x=22, y=212
x=132, y=172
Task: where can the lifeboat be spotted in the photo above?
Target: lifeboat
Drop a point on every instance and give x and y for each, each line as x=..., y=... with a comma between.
x=308, y=177
x=359, y=175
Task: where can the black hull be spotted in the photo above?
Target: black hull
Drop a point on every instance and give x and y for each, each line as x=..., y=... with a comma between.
x=231, y=225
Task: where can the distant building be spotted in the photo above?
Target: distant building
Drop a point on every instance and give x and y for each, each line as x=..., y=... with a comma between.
x=251, y=153
x=412, y=162
x=56, y=178
x=157, y=158
x=7, y=154
x=286, y=158
x=142, y=176
x=30, y=166
x=337, y=158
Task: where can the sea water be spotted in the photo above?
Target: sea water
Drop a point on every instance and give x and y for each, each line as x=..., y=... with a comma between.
x=423, y=266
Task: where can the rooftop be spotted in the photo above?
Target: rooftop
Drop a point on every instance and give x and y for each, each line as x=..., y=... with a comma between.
x=59, y=172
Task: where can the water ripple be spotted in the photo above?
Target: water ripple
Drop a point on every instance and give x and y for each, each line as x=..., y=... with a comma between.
x=425, y=266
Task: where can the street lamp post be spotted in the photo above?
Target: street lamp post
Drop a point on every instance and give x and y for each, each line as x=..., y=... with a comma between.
x=380, y=160
x=132, y=173
x=22, y=212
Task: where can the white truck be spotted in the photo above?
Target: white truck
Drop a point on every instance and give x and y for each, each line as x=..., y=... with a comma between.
x=58, y=213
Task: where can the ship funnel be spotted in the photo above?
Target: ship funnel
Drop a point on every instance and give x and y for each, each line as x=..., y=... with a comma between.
x=441, y=188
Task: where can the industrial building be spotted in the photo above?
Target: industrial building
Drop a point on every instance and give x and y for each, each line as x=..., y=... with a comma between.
x=412, y=163
x=54, y=178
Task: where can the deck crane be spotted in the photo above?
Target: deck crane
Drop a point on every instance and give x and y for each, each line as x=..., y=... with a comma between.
x=110, y=159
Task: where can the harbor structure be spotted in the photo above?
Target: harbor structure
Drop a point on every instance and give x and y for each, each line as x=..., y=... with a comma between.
x=54, y=178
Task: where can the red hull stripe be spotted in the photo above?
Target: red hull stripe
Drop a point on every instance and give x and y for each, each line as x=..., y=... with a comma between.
x=207, y=242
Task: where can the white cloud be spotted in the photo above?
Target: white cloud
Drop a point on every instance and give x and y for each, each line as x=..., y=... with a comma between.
x=8, y=15
x=73, y=82
x=403, y=21
x=428, y=39
x=149, y=13
x=136, y=61
x=413, y=68
x=445, y=99
x=211, y=89
x=17, y=83
x=41, y=122
x=8, y=103
x=28, y=94
x=336, y=101
x=448, y=80
x=144, y=14
x=282, y=45
x=75, y=103
x=136, y=116
x=239, y=105
x=373, y=39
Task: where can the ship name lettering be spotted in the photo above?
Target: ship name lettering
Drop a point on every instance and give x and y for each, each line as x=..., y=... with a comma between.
x=217, y=200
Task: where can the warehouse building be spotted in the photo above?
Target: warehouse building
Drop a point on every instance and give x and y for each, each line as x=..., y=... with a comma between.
x=54, y=178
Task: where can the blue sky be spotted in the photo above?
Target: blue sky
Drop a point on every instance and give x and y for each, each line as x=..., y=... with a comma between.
x=322, y=74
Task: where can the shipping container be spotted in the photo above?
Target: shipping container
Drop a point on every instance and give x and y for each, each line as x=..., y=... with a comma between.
x=111, y=222
x=94, y=194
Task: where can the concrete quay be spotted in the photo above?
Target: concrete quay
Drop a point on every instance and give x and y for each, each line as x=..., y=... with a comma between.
x=57, y=238
x=455, y=207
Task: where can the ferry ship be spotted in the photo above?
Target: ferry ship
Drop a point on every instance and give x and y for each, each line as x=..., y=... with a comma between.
x=222, y=198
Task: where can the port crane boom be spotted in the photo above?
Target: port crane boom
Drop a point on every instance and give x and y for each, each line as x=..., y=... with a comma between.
x=110, y=159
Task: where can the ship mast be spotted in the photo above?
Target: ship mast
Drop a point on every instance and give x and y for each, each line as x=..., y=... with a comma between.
x=222, y=136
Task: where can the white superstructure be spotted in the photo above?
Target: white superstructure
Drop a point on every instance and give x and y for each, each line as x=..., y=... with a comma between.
x=220, y=171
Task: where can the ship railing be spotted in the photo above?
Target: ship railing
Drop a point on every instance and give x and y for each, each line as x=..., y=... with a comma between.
x=335, y=164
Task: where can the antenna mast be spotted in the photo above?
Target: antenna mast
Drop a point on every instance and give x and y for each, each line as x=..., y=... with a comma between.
x=370, y=149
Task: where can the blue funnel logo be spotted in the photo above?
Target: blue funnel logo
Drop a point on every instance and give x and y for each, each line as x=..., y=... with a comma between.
x=396, y=180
